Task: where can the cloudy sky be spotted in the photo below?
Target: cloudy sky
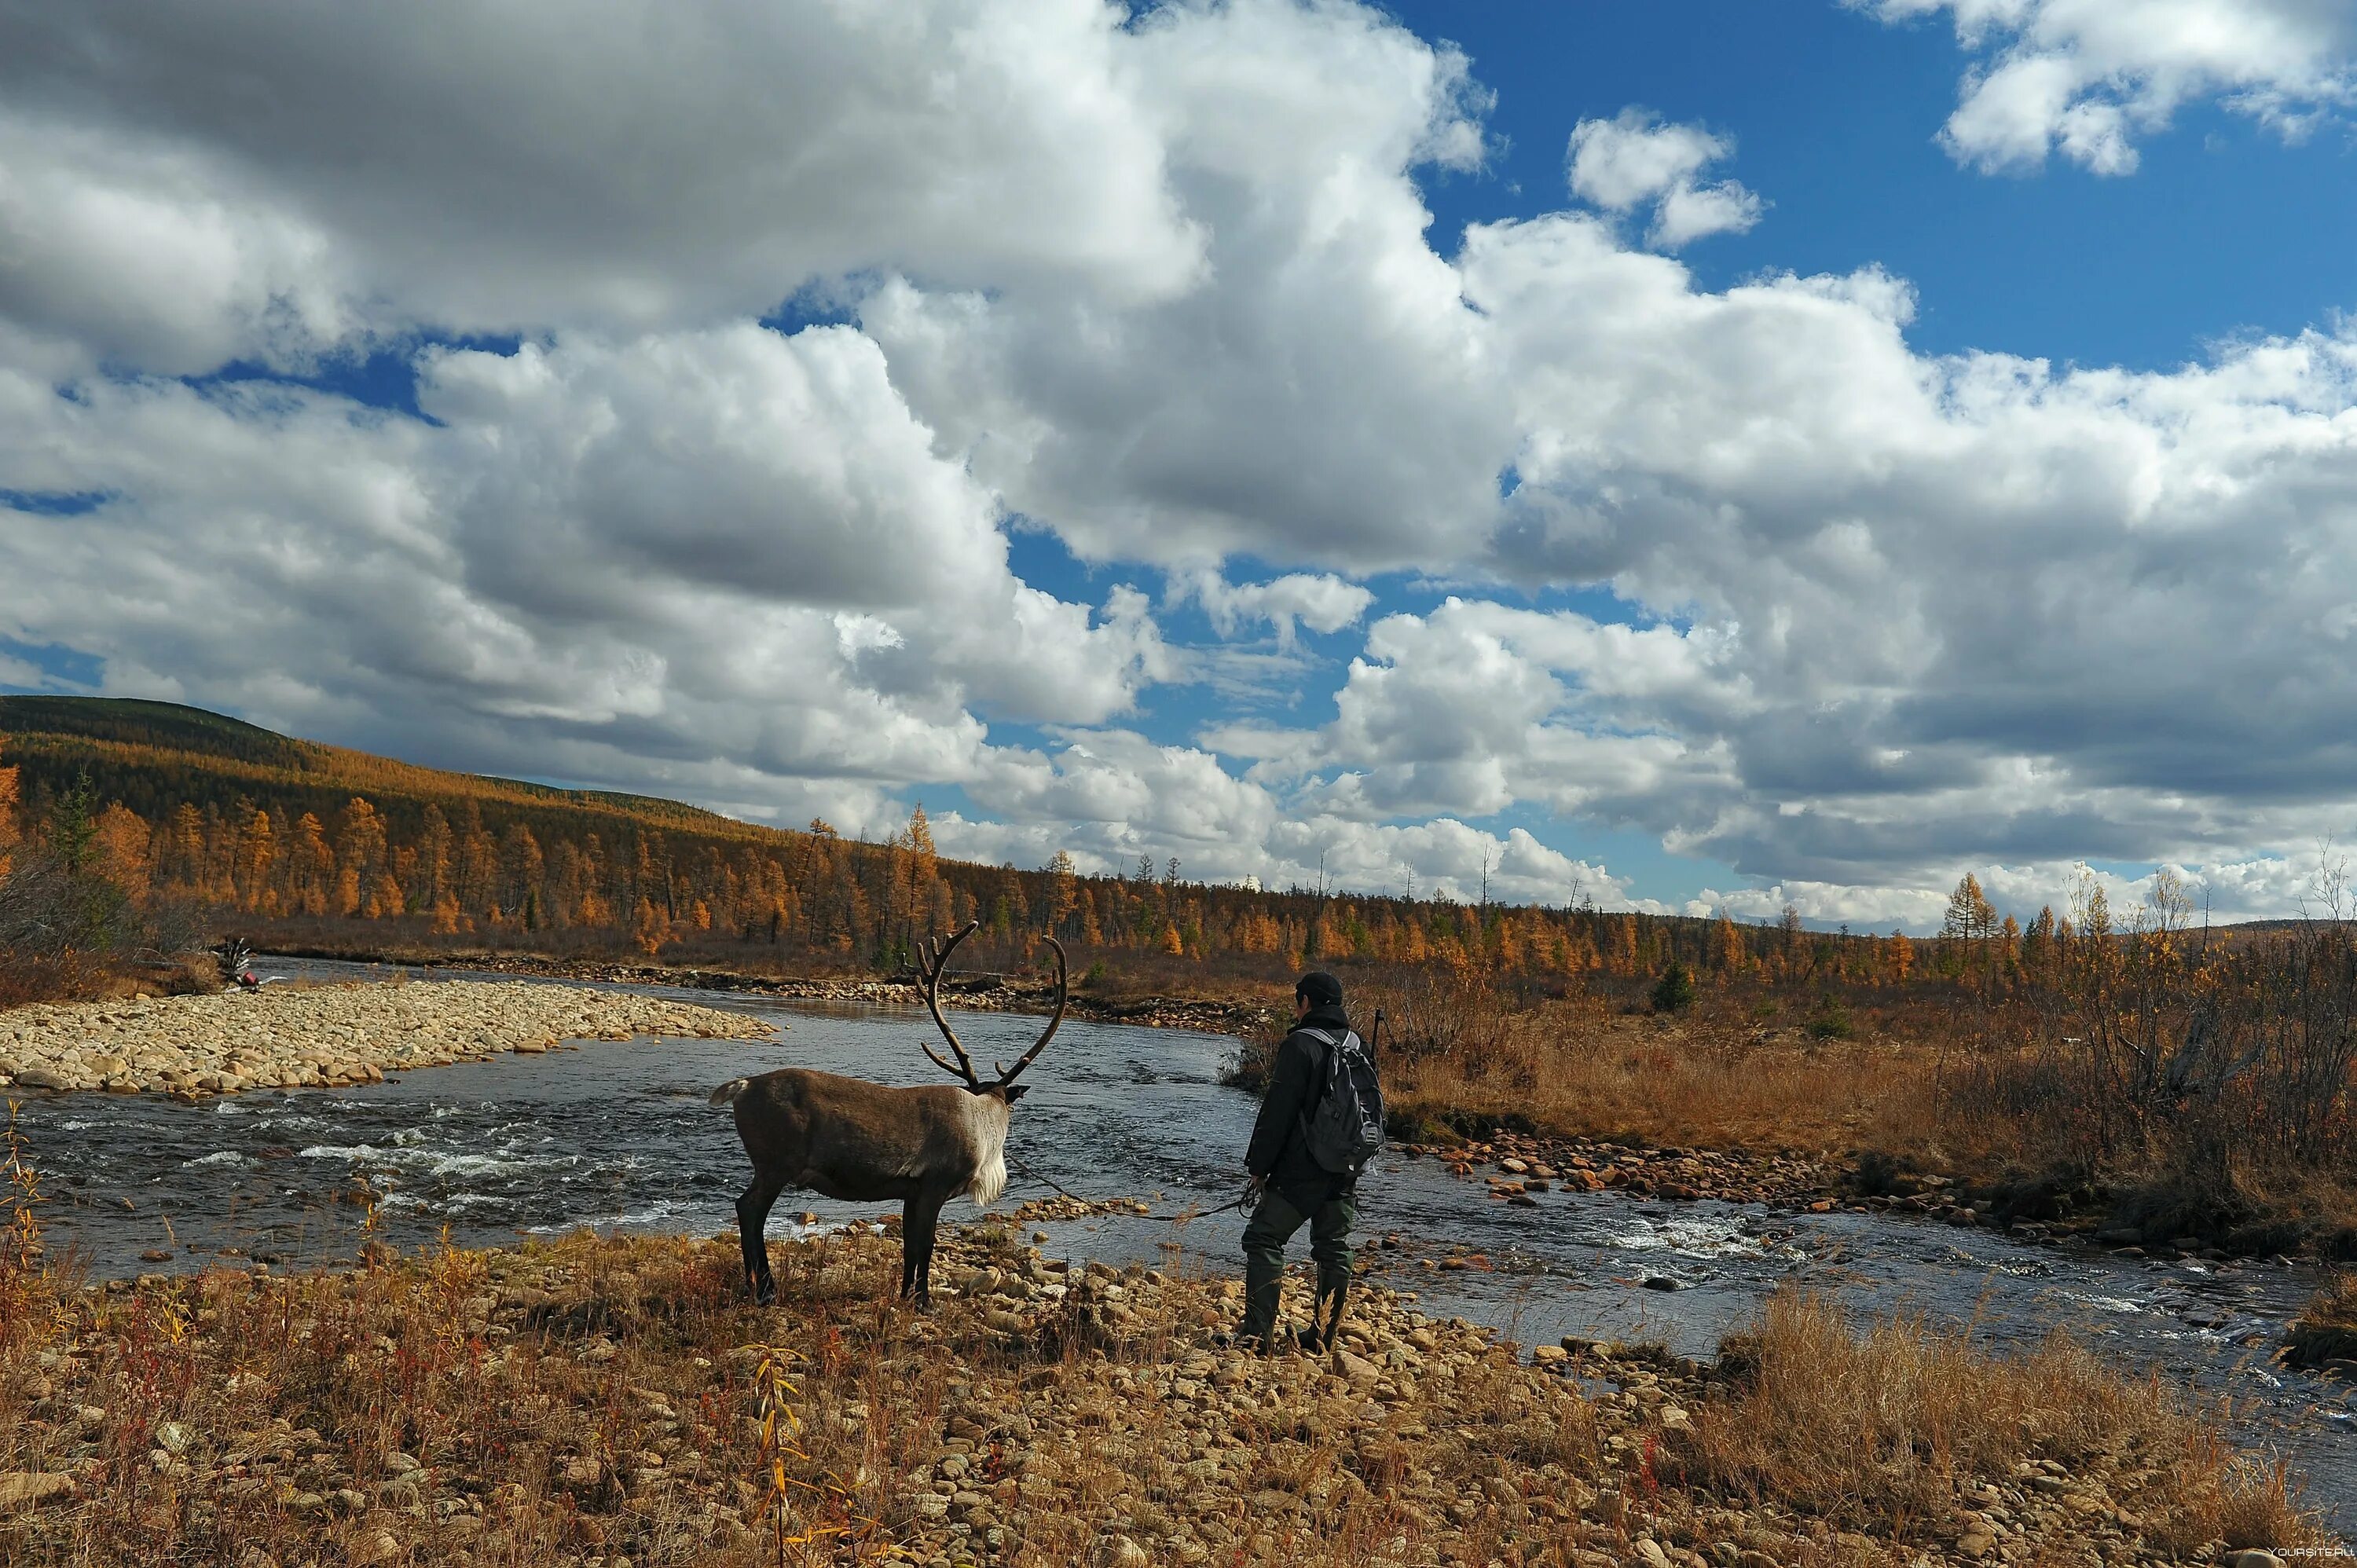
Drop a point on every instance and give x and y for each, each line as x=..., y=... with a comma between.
x=1687, y=454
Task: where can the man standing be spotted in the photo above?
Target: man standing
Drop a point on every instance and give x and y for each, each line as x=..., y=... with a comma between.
x=1292, y=1184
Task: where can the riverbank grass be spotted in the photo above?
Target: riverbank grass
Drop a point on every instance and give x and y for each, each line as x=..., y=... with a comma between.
x=1906, y=1425
x=2326, y=1330
x=1571, y=1070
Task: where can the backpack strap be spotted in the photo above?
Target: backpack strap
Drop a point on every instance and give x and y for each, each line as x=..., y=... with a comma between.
x=1326, y=1036
x=1332, y=1042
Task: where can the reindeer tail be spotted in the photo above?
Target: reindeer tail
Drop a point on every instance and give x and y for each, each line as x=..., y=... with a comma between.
x=727, y=1092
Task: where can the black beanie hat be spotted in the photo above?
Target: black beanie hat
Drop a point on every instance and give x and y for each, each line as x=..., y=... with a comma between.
x=1319, y=989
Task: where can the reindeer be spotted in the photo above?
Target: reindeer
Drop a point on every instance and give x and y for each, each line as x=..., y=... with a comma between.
x=866, y=1142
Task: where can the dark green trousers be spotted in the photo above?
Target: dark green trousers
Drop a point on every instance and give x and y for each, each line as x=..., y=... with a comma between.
x=1270, y=1227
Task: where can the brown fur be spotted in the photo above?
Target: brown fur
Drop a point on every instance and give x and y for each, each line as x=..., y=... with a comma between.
x=862, y=1142
x=865, y=1142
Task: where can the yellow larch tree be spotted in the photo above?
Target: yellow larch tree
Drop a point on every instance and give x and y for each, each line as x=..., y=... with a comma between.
x=7, y=817
x=118, y=849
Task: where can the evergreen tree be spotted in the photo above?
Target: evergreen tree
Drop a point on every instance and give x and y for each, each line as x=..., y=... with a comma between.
x=73, y=825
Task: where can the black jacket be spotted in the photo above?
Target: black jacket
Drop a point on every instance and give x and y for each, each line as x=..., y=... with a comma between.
x=1276, y=1153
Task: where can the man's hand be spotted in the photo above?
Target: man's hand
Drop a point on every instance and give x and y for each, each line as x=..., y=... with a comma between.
x=1254, y=1184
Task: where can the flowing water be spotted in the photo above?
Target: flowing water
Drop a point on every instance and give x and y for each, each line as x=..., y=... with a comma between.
x=618, y=1135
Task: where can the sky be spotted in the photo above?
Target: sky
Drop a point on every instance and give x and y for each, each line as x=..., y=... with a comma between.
x=1691, y=455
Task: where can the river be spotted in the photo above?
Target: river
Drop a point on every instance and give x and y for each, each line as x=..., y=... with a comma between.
x=619, y=1137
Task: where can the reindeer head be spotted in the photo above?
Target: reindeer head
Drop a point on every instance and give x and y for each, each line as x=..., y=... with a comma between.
x=933, y=954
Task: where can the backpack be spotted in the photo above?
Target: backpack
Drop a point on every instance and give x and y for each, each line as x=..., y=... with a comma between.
x=1344, y=1127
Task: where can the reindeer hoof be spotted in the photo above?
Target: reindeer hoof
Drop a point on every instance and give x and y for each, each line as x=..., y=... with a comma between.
x=765, y=1294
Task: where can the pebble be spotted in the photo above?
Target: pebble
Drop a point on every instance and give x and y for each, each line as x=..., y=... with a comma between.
x=286, y=1036
x=23, y=1489
x=969, y=992
x=374, y=1548
x=1534, y=1164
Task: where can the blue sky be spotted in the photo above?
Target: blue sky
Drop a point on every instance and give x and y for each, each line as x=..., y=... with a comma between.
x=2224, y=229
x=789, y=436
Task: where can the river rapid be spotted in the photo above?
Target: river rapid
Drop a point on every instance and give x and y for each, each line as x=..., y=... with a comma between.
x=619, y=1137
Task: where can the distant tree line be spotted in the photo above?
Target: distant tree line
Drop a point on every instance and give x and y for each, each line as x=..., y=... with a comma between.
x=207, y=812
x=453, y=857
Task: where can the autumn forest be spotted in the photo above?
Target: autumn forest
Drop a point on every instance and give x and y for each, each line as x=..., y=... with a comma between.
x=276, y=837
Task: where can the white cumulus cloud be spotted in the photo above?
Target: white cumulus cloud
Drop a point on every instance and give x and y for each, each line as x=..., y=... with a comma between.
x=1320, y=601
x=238, y=178
x=2087, y=78
x=1635, y=159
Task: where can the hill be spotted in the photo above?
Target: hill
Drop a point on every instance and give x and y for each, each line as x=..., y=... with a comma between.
x=136, y=751
x=289, y=839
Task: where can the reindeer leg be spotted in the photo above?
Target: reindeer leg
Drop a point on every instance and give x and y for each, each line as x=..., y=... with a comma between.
x=752, y=1227
x=919, y=1217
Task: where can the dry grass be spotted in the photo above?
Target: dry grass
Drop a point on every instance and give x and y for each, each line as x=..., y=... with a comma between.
x=1571, y=1068
x=1894, y=1430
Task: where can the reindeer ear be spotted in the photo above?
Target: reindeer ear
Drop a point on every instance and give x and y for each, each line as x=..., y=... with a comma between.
x=1015, y=1091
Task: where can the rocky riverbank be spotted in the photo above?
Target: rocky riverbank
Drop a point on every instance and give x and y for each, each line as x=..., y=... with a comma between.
x=290, y=1036
x=594, y=1402
x=972, y=991
x=1516, y=1166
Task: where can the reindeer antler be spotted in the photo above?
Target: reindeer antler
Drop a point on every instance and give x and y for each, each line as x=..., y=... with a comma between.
x=932, y=954
x=1063, y=995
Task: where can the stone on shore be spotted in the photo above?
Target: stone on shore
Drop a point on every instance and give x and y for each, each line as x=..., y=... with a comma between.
x=289, y=1036
x=22, y=1490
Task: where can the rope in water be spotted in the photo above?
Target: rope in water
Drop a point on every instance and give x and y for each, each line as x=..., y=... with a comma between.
x=1328, y=1328
x=1247, y=1200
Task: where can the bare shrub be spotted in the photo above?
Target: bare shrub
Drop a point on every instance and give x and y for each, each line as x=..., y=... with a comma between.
x=2207, y=1079
x=1450, y=1007
x=66, y=932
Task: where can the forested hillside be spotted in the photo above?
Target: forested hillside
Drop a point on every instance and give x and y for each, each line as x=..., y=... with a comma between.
x=272, y=834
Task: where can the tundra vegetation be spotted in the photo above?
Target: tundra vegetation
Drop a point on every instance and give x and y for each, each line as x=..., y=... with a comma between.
x=2139, y=1080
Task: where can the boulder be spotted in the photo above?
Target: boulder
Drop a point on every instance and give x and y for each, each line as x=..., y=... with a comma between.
x=371, y=1549
x=23, y=1489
